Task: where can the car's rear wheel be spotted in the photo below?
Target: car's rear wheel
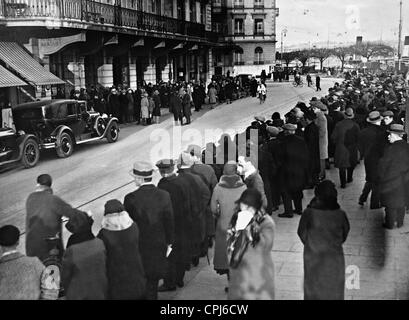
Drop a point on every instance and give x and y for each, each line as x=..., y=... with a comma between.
x=66, y=146
x=113, y=132
x=31, y=153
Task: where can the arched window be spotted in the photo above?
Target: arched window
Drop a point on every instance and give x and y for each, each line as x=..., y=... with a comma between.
x=238, y=56
x=258, y=55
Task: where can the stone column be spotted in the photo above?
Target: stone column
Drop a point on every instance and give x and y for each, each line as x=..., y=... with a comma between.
x=187, y=10
x=175, y=9
x=198, y=9
x=105, y=72
x=210, y=68
x=77, y=68
x=132, y=72
x=150, y=72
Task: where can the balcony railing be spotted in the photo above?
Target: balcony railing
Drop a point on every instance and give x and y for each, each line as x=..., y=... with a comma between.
x=98, y=13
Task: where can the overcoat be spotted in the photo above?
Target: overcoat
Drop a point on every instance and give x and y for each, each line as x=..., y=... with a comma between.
x=321, y=123
x=151, y=209
x=43, y=220
x=345, y=137
x=125, y=272
x=323, y=231
x=223, y=204
x=254, y=278
x=311, y=137
x=179, y=195
x=394, y=175
x=294, y=156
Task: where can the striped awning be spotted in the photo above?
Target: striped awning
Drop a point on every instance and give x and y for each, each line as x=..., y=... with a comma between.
x=19, y=60
x=7, y=79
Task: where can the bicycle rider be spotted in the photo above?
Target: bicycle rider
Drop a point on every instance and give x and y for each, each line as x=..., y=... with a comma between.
x=297, y=78
x=262, y=91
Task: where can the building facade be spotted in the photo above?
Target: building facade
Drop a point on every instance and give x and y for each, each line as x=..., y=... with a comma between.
x=249, y=32
x=84, y=43
x=108, y=42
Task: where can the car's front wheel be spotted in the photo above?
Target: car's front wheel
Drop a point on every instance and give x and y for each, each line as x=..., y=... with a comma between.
x=113, y=132
x=66, y=145
x=31, y=153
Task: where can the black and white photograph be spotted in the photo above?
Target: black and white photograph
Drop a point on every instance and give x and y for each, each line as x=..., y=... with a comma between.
x=204, y=154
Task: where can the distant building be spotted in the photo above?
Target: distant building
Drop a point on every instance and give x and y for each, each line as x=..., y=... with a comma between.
x=249, y=33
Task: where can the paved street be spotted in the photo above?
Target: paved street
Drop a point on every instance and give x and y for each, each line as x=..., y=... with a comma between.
x=381, y=256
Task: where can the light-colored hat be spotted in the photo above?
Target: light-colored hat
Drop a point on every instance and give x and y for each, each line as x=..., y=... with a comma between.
x=397, y=128
x=142, y=169
x=374, y=117
x=260, y=118
x=185, y=160
x=289, y=127
x=273, y=131
x=194, y=150
x=349, y=113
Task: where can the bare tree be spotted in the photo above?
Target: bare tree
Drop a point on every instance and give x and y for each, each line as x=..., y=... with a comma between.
x=303, y=56
x=342, y=53
x=289, y=56
x=370, y=49
x=321, y=54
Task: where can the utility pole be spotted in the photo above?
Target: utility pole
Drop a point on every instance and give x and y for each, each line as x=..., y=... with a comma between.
x=283, y=34
x=400, y=38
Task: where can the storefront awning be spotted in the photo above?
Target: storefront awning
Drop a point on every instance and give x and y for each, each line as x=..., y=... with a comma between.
x=7, y=79
x=16, y=58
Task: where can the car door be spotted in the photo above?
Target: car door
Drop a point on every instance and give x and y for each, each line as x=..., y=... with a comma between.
x=73, y=119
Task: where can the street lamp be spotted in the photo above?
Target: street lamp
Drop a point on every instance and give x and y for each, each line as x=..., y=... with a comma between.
x=283, y=34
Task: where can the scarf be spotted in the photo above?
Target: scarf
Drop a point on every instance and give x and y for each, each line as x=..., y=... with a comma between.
x=117, y=221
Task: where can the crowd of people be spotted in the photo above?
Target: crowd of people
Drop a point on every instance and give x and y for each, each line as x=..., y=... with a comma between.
x=224, y=196
x=144, y=104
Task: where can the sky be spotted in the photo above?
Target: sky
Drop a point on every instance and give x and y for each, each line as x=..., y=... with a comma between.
x=314, y=21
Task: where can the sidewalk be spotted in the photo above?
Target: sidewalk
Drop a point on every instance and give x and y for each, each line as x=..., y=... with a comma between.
x=381, y=256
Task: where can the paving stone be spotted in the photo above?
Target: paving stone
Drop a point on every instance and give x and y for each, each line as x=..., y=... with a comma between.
x=292, y=269
x=289, y=283
x=289, y=295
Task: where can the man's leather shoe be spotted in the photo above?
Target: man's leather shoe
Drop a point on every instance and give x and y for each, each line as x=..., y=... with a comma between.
x=163, y=288
x=285, y=215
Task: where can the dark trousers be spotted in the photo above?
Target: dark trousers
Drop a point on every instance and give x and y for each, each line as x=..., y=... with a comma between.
x=345, y=175
x=178, y=116
x=393, y=215
x=152, y=289
x=275, y=191
x=176, y=269
x=375, y=197
x=267, y=190
x=289, y=198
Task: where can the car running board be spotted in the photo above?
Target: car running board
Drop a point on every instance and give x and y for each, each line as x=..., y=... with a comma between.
x=89, y=140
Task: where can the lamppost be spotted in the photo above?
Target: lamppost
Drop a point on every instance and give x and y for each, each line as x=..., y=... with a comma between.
x=283, y=34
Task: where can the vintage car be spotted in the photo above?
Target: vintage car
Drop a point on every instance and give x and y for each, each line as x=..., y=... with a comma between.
x=15, y=147
x=61, y=124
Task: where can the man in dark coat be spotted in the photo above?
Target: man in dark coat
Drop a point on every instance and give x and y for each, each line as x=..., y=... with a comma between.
x=229, y=89
x=273, y=147
x=311, y=137
x=151, y=209
x=394, y=178
x=345, y=138
x=207, y=174
x=293, y=173
x=175, y=105
x=372, y=142
x=114, y=103
x=196, y=96
x=137, y=104
x=186, y=100
x=43, y=220
x=200, y=195
x=179, y=194
x=318, y=82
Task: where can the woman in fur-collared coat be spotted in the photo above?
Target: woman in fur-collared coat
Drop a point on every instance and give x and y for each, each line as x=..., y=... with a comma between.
x=225, y=194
